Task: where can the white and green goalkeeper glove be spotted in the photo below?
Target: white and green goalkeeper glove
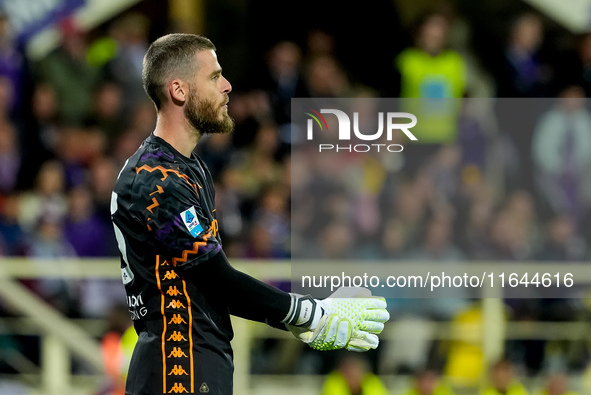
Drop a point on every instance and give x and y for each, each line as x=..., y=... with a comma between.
x=349, y=318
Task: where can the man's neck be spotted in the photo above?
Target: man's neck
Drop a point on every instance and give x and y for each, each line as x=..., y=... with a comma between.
x=178, y=133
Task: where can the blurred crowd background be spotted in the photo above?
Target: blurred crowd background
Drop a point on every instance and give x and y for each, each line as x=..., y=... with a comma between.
x=491, y=190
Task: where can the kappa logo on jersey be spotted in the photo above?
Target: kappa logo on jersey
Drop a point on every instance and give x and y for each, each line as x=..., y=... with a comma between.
x=177, y=319
x=176, y=304
x=178, y=388
x=178, y=370
x=173, y=291
x=170, y=275
x=176, y=337
x=191, y=222
x=177, y=353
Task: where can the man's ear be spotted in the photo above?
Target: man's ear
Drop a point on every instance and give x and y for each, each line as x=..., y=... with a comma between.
x=178, y=91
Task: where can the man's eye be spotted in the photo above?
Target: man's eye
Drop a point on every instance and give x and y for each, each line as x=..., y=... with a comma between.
x=215, y=77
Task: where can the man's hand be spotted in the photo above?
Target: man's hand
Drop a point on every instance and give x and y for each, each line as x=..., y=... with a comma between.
x=350, y=318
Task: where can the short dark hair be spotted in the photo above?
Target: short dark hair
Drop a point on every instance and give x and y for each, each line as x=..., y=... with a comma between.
x=169, y=57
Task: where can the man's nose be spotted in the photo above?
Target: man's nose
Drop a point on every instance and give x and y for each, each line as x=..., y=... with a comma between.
x=226, y=87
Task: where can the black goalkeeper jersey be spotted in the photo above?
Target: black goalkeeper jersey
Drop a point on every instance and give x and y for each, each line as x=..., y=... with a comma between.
x=164, y=218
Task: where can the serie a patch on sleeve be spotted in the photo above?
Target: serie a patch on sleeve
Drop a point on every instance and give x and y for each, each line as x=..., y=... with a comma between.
x=189, y=218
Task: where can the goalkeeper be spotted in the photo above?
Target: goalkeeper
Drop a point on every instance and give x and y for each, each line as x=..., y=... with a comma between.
x=180, y=286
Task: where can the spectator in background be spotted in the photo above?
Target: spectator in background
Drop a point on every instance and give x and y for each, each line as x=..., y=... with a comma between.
x=47, y=199
x=143, y=119
x=259, y=167
x=319, y=43
x=107, y=112
x=557, y=384
x=562, y=242
x=502, y=243
x=513, y=230
x=393, y=242
x=229, y=200
x=77, y=148
x=140, y=125
x=112, y=352
x=465, y=361
x=272, y=216
x=352, y=377
x=101, y=178
x=581, y=73
x=87, y=233
x=436, y=75
x=560, y=153
x=249, y=110
x=117, y=347
x=429, y=70
x=474, y=231
x=521, y=208
x=67, y=71
x=409, y=205
x=46, y=241
x=437, y=246
x=444, y=172
x=12, y=236
x=259, y=244
x=217, y=152
x=12, y=64
x=130, y=34
x=284, y=79
x=522, y=73
x=336, y=241
x=473, y=138
x=428, y=382
x=367, y=180
x=437, y=243
x=574, y=67
x=503, y=381
x=10, y=155
x=326, y=78
x=41, y=132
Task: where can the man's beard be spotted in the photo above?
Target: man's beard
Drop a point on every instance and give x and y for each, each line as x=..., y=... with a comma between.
x=203, y=115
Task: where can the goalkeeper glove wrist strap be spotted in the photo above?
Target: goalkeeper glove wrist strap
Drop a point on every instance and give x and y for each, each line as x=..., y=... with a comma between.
x=304, y=312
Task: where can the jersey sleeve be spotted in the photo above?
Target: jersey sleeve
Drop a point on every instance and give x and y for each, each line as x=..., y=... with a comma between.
x=169, y=206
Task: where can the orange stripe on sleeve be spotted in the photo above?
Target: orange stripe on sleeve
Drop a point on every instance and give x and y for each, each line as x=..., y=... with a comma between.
x=153, y=205
x=185, y=253
x=165, y=172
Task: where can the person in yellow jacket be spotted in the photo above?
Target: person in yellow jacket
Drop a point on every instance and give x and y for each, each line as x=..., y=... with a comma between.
x=433, y=75
x=352, y=377
x=428, y=382
x=503, y=381
x=429, y=69
x=465, y=364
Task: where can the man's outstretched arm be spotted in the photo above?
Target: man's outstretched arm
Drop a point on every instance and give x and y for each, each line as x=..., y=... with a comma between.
x=245, y=296
x=350, y=318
